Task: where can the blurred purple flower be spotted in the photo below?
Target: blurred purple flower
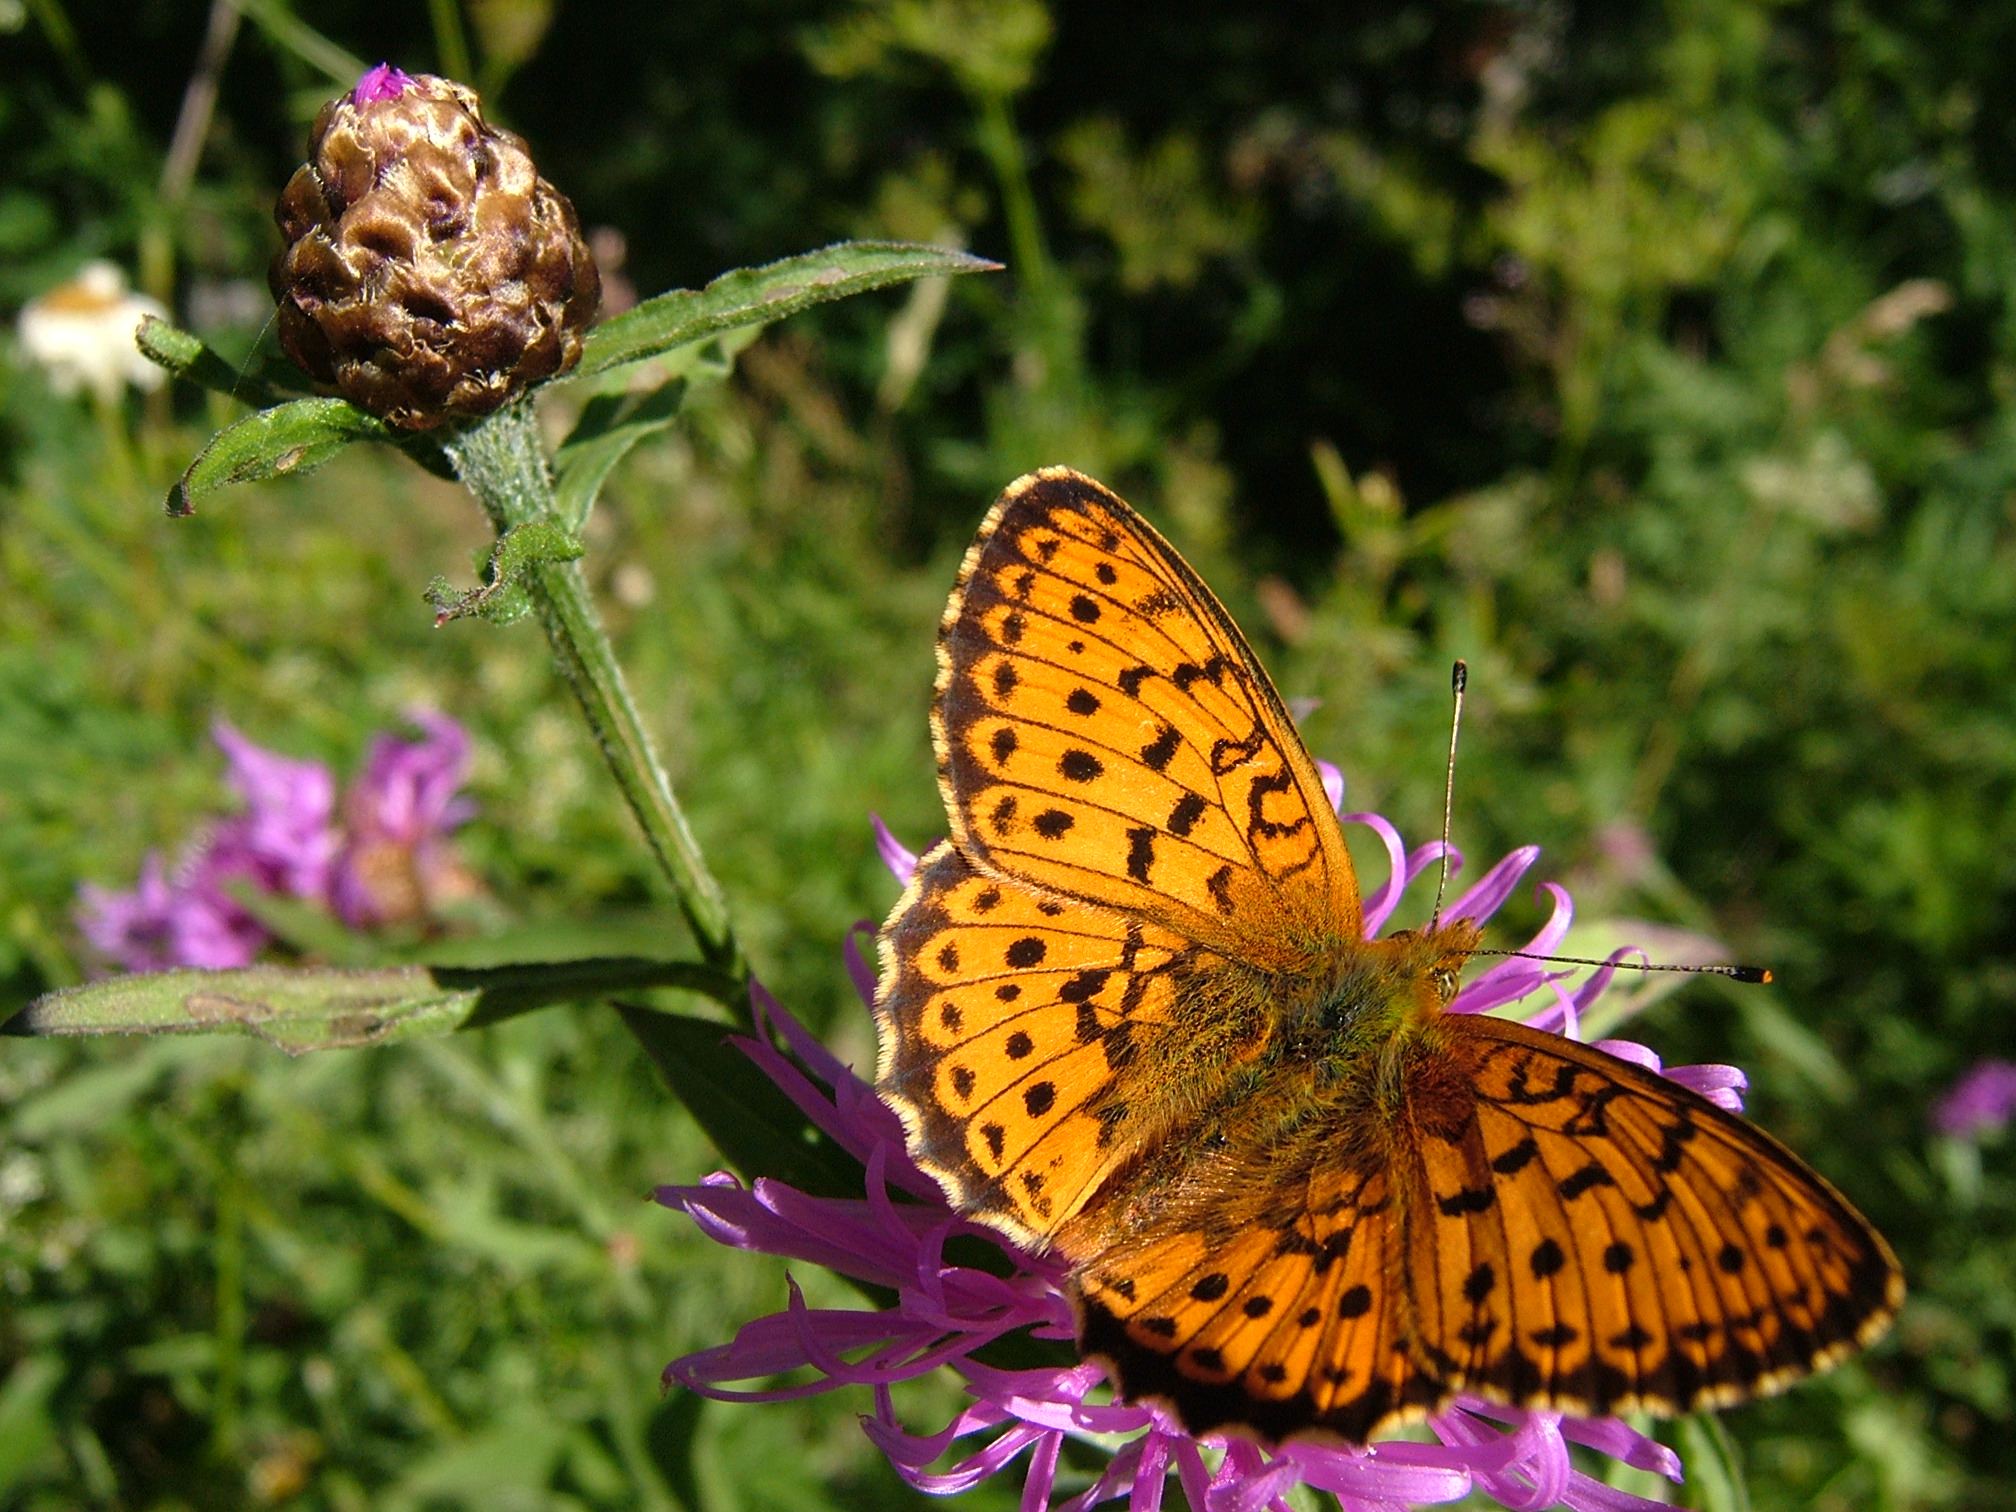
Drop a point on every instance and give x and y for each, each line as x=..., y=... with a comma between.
x=946, y=1312
x=1981, y=1102
x=396, y=864
x=163, y=923
x=390, y=864
x=286, y=839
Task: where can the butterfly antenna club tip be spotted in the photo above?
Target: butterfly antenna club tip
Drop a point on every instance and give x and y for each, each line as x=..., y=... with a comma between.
x=1459, y=680
x=1755, y=976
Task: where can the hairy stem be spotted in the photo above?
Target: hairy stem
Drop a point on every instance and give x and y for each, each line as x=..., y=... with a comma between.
x=502, y=463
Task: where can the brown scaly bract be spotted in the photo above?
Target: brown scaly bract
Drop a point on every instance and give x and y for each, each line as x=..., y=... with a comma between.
x=429, y=272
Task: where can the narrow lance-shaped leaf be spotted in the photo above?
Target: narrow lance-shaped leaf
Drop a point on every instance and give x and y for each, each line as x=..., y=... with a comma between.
x=330, y=1008
x=757, y=296
x=607, y=430
x=288, y=439
x=188, y=357
x=611, y=424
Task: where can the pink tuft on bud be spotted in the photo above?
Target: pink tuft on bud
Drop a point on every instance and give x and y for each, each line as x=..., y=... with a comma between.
x=381, y=83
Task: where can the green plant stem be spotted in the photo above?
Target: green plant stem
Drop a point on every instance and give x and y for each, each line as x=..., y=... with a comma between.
x=502, y=463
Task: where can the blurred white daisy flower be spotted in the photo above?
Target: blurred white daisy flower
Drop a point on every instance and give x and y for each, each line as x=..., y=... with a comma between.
x=81, y=333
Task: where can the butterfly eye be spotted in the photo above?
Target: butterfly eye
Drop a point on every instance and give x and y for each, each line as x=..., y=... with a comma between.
x=1445, y=983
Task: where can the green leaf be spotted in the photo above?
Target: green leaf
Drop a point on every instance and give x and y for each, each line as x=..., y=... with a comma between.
x=608, y=428
x=520, y=547
x=187, y=356
x=612, y=423
x=757, y=1129
x=669, y=1439
x=329, y=1008
x=757, y=296
x=284, y=441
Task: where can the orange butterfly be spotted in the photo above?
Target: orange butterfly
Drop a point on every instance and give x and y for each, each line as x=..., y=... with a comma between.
x=1128, y=1017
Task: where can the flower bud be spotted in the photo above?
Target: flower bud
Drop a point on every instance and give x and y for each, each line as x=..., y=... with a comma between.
x=429, y=272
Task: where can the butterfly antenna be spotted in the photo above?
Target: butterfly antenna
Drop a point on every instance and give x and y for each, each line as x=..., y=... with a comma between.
x=1755, y=975
x=1459, y=679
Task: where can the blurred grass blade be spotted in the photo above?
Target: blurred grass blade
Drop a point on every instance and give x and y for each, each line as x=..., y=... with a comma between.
x=669, y=1439
x=1714, y=1471
x=1781, y=1035
x=757, y=1129
x=186, y=355
x=285, y=441
x=330, y=1008
x=757, y=296
x=26, y=1430
x=290, y=33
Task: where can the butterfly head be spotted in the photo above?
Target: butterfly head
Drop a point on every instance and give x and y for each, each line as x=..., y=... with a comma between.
x=1434, y=960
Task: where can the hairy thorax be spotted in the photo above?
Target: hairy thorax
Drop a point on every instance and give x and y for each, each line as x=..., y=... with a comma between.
x=1266, y=1075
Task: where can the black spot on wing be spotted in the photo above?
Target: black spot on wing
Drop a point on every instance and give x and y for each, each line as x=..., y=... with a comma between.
x=1052, y=823
x=1160, y=751
x=1140, y=853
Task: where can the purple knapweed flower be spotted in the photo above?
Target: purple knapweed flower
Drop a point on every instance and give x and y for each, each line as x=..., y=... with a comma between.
x=166, y=922
x=946, y=1312
x=383, y=82
x=1981, y=1102
x=387, y=862
x=283, y=844
x=396, y=864
x=286, y=840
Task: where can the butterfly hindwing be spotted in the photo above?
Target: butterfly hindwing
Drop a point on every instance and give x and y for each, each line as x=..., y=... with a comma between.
x=1587, y=1235
x=1105, y=733
x=1273, y=1331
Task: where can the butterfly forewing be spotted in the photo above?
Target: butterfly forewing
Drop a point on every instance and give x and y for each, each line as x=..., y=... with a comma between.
x=1009, y=1022
x=1586, y=1234
x=1105, y=733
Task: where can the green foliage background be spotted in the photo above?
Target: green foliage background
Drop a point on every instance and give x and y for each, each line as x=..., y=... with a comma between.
x=1659, y=359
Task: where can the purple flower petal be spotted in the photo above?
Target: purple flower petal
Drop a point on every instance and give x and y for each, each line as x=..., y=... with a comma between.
x=900, y=860
x=1722, y=1085
x=381, y=83
x=1514, y=978
x=1484, y=899
x=397, y=817
x=287, y=840
x=1404, y=868
x=133, y=930
x=1333, y=785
